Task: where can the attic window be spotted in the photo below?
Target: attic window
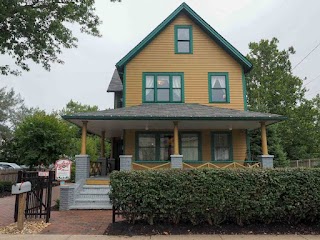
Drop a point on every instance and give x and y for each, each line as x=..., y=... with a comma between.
x=183, y=39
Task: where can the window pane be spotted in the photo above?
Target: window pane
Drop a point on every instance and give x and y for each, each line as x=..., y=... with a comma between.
x=218, y=82
x=176, y=81
x=183, y=34
x=219, y=95
x=163, y=95
x=166, y=140
x=163, y=82
x=147, y=154
x=165, y=153
x=189, y=140
x=221, y=146
x=221, y=154
x=149, y=81
x=183, y=47
x=221, y=140
x=147, y=140
x=176, y=95
x=190, y=154
x=150, y=95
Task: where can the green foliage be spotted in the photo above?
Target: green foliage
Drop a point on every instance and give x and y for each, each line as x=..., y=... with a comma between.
x=272, y=87
x=93, y=142
x=38, y=30
x=217, y=196
x=42, y=138
x=12, y=112
x=5, y=186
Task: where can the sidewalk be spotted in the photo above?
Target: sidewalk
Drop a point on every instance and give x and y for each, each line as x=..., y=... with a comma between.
x=161, y=237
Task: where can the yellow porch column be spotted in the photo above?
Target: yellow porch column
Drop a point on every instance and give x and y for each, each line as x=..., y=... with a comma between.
x=103, y=150
x=176, y=138
x=264, y=144
x=84, y=138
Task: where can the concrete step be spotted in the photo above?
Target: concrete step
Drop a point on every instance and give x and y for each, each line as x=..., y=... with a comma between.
x=92, y=207
x=89, y=201
x=96, y=189
x=89, y=195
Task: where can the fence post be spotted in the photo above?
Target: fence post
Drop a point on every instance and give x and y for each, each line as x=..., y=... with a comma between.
x=16, y=207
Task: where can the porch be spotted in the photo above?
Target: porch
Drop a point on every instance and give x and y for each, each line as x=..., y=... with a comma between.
x=154, y=136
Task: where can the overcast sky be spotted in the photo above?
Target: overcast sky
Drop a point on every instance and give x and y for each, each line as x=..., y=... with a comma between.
x=88, y=69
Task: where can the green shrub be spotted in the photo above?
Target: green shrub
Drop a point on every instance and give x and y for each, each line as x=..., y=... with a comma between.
x=216, y=196
x=5, y=186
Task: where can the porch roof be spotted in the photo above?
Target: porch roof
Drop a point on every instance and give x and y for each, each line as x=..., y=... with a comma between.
x=160, y=116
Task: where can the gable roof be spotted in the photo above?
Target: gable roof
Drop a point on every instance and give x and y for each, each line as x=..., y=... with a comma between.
x=184, y=8
x=115, y=84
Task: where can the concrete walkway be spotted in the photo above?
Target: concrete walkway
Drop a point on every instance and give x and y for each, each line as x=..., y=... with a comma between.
x=161, y=237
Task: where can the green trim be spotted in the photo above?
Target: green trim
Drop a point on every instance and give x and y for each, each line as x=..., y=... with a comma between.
x=247, y=65
x=248, y=146
x=176, y=27
x=124, y=86
x=244, y=88
x=113, y=117
x=226, y=75
x=155, y=75
x=199, y=144
x=230, y=143
x=124, y=142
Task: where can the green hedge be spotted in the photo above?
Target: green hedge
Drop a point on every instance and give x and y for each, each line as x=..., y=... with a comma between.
x=5, y=186
x=216, y=196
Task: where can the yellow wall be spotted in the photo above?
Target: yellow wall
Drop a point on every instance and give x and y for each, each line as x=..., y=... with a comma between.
x=238, y=142
x=159, y=56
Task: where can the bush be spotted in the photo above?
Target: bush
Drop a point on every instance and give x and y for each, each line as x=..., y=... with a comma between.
x=216, y=196
x=5, y=187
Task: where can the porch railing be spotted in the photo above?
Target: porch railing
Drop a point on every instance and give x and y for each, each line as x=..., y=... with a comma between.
x=95, y=168
x=195, y=165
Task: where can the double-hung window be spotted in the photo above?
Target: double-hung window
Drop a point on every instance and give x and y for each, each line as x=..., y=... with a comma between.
x=219, y=87
x=183, y=39
x=190, y=146
x=163, y=87
x=222, y=146
x=158, y=146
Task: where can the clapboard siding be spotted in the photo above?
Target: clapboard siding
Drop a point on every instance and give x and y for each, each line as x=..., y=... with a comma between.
x=207, y=56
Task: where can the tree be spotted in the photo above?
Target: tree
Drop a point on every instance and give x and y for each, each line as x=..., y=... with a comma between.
x=41, y=138
x=273, y=88
x=37, y=30
x=12, y=112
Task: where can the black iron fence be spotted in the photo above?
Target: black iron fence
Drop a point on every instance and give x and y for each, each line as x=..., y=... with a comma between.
x=38, y=202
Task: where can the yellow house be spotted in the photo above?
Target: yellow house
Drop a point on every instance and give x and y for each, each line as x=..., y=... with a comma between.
x=180, y=101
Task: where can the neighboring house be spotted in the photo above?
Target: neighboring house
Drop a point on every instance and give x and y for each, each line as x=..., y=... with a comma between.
x=179, y=101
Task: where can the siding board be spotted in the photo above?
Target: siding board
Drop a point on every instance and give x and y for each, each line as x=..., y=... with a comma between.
x=159, y=56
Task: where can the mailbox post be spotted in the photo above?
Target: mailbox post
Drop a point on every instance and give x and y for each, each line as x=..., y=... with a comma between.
x=21, y=189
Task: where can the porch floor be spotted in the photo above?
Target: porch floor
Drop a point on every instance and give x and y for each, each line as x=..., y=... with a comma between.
x=101, y=180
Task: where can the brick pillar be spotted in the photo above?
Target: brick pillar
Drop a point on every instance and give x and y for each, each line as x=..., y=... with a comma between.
x=176, y=161
x=266, y=161
x=125, y=162
x=82, y=167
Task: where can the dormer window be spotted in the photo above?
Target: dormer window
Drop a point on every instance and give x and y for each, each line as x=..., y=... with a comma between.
x=183, y=39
